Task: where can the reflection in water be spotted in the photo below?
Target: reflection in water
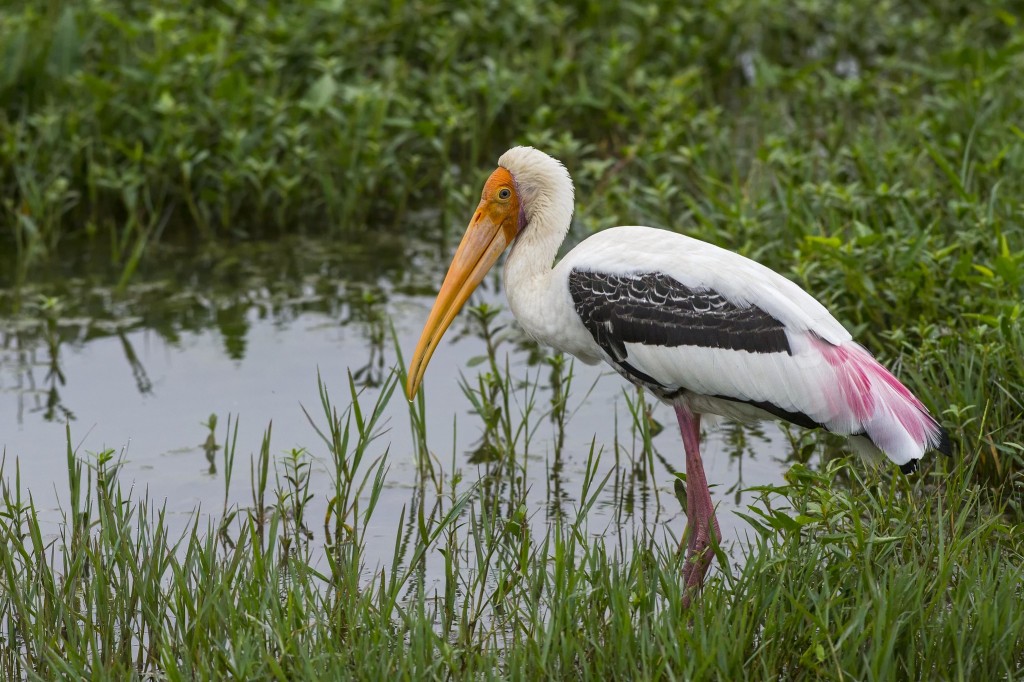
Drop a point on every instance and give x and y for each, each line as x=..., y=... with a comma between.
x=21, y=359
x=178, y=297
x=233, y=325
x=248, y=334
x=210, y=446
x=54, y=375
x=142, y=382
x=366, y=312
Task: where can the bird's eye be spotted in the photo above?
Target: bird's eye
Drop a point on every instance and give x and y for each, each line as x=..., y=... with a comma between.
x=504, y=193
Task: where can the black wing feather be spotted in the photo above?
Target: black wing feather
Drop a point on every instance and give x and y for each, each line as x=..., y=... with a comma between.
x=655, y=309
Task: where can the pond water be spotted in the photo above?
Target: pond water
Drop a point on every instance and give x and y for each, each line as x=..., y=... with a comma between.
x=245, y=332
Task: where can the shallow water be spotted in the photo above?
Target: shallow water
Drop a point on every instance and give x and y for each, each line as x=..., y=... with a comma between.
x=141, y=371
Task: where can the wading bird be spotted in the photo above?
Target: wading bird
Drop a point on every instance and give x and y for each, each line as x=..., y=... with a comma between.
x=703, y=329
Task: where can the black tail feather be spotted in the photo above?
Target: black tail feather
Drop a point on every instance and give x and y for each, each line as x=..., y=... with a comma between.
x=945, y=445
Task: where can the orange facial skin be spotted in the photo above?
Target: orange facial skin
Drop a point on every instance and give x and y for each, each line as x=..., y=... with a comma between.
x=495, y=224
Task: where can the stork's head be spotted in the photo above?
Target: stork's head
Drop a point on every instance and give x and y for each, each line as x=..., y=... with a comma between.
x=526, y=184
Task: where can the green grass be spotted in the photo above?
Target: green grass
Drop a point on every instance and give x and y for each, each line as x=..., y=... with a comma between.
x=846, y=576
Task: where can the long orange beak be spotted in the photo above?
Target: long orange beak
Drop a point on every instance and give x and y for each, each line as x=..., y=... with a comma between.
x=494, y=226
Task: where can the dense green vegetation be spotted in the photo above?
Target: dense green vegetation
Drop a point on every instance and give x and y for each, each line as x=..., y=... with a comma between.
x=872, y=151
x=846, y=578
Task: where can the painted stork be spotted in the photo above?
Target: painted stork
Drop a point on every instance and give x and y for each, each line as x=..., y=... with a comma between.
x=703, y=329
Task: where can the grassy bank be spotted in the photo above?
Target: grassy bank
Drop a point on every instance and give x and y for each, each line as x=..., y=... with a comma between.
x=846, y=577
x=267, y=117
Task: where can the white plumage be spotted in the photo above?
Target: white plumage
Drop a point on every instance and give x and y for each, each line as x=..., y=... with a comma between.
x=704, y=329
x=804, y=382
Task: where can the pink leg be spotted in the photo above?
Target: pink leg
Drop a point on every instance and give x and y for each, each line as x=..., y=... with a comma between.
x=699, y=511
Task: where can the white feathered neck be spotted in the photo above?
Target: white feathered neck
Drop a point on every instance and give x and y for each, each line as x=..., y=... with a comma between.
x=546, y=192
x=541, y=304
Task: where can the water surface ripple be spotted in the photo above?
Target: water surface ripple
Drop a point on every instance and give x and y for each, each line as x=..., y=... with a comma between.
x=141, y=371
